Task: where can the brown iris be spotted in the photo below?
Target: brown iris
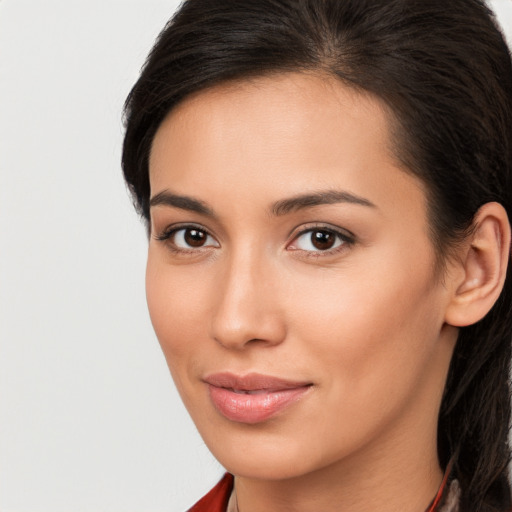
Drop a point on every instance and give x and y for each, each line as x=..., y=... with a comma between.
x=323, y=240
x=195, y=237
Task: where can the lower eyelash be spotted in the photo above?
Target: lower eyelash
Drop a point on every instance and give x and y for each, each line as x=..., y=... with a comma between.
x=347, y=240
x=329, y=252
x=166, y=237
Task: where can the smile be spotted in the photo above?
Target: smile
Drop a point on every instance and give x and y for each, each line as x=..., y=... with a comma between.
x=253, y=398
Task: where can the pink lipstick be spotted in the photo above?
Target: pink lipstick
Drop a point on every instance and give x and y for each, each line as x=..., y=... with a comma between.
x=253, y=398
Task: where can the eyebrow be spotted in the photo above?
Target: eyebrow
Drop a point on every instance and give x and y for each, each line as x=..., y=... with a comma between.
x=279, y=208
x=190, y=204
x=322, y=197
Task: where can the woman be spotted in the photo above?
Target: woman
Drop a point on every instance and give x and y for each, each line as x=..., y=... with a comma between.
x=327, y=186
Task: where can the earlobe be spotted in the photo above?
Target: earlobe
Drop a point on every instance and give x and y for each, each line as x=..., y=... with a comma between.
x=483, y=261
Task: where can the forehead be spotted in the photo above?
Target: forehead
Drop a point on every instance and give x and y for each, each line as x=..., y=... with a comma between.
x=277, y=110
x=277, y=135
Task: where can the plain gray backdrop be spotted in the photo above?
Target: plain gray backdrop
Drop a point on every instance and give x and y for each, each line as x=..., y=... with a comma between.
x=89, y=418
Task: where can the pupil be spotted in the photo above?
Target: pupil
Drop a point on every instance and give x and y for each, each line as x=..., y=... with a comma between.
x=322, y=240
x=194, y=237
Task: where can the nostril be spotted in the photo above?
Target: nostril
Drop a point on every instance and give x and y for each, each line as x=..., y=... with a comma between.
x=245, y=314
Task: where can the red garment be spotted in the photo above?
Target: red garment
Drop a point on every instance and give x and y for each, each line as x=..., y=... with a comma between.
x=217, y=499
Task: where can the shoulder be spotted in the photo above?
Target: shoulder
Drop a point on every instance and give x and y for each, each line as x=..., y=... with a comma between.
x=217, y=499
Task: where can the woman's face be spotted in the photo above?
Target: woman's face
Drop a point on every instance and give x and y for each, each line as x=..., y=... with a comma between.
x=290, y=278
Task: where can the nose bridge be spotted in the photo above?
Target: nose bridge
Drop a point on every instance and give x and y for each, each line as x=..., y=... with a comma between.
x=245, y=309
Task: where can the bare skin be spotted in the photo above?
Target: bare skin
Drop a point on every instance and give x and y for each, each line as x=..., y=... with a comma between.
x=338, y=292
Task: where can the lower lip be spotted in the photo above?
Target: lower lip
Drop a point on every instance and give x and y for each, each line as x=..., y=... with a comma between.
x=254, y=408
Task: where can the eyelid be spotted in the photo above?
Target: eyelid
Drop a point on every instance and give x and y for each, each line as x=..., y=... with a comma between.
x=168, y=232
x=318, y=225
x=347, y=237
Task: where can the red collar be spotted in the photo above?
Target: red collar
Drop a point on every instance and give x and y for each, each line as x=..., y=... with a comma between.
x=217, y=499
x=442, y=488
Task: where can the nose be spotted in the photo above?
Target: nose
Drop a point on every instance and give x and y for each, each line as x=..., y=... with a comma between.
x=246, y=305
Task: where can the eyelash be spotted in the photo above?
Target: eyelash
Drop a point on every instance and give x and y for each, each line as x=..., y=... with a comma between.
x=167, y=235
x=346, y=239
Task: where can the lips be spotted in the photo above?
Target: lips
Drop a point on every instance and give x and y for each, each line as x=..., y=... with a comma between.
x=253, y=398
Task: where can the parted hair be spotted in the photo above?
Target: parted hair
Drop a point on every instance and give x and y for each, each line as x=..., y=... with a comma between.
x=443, y=69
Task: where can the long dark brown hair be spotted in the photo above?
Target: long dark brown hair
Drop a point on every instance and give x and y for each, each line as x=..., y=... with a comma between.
x=445, y=72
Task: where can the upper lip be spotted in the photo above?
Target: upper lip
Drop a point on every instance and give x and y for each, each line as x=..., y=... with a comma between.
x=252, y=382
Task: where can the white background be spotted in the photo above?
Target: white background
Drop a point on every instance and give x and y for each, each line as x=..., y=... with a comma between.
x=89, y=418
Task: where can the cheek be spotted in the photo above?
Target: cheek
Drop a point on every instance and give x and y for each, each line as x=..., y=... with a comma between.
x=176, y=312
x=371, y=346
x=369, y=328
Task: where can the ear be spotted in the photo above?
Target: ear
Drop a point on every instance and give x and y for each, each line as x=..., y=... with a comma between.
x=481, y=267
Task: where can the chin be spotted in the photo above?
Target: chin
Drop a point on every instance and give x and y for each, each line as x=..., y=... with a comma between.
x=265, y=457
x=265, y=468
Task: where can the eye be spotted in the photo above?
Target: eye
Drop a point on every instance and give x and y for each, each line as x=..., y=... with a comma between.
x=319, y=240
x=188, y=238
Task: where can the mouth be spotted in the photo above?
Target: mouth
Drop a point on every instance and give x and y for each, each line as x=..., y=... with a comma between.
x=253, y=398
